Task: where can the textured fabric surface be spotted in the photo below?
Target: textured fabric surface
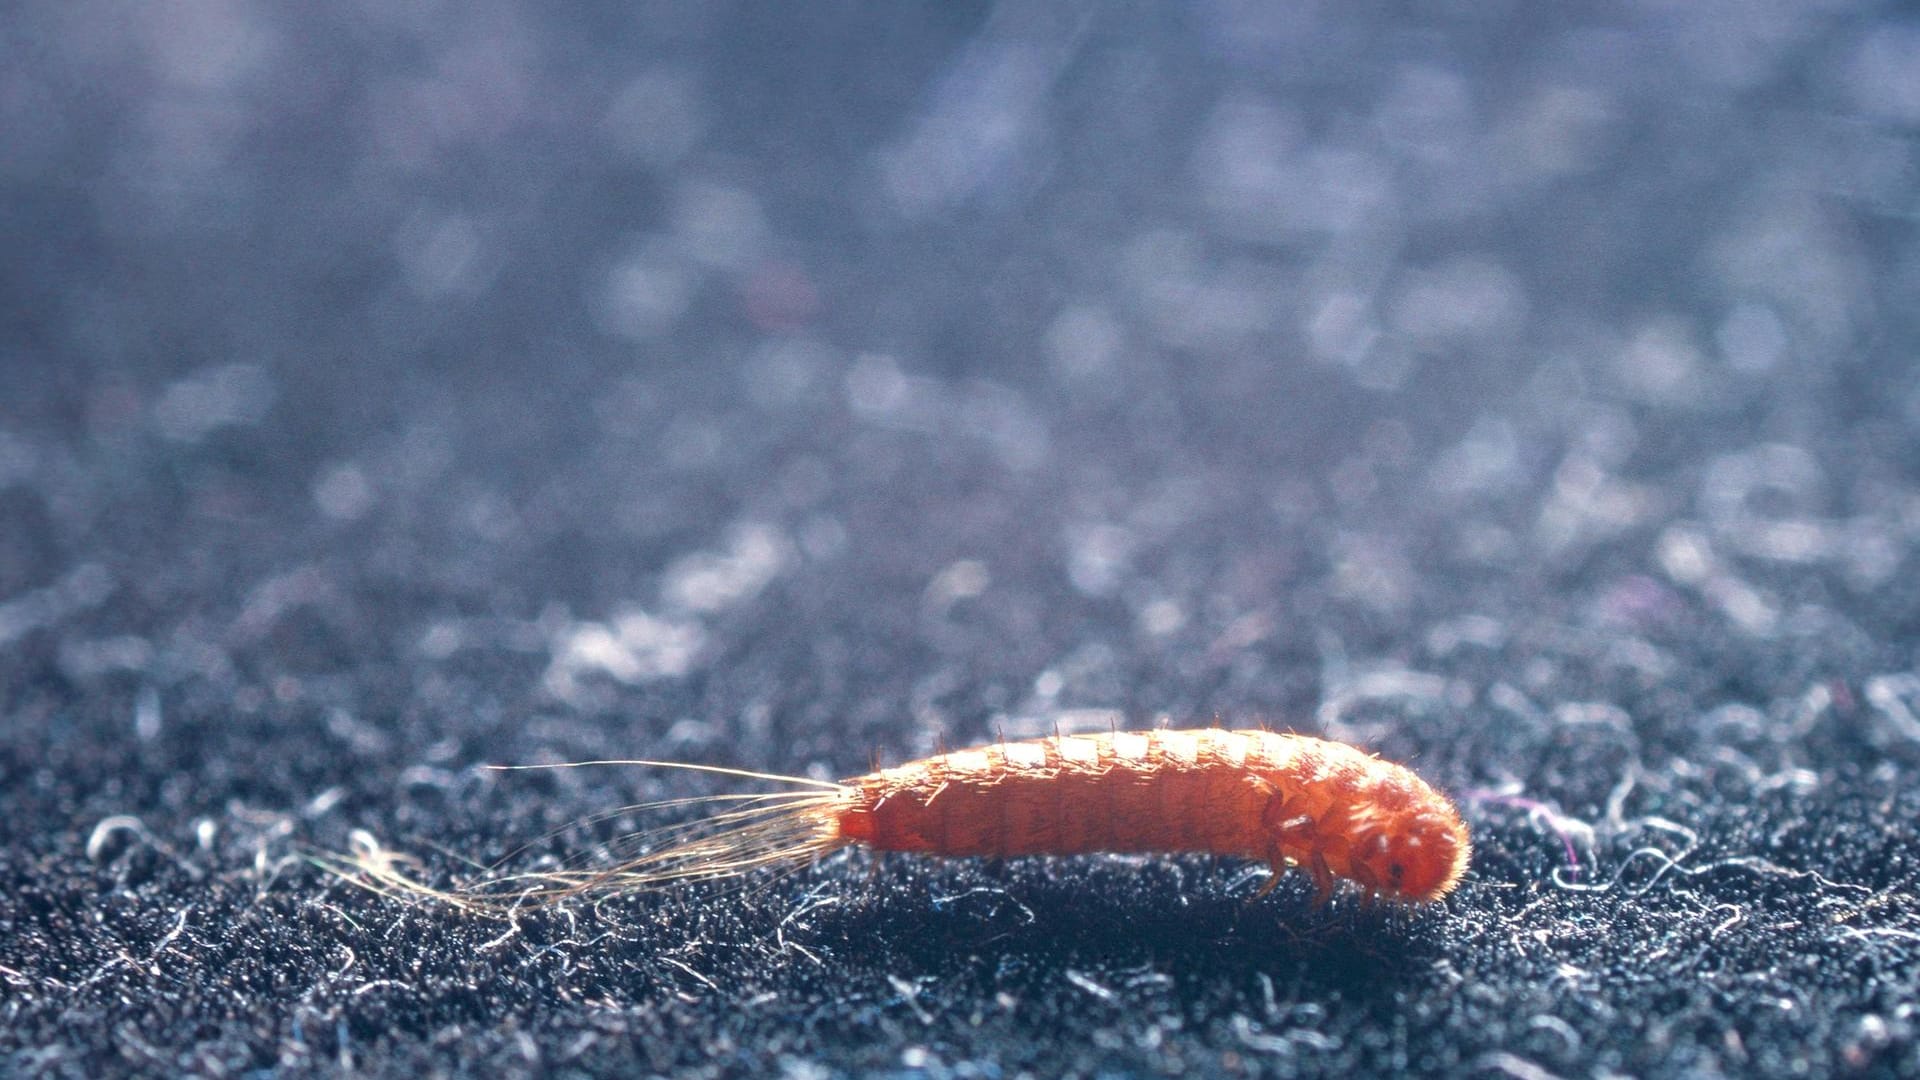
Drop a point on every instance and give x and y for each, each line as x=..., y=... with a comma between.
x=1523, y=392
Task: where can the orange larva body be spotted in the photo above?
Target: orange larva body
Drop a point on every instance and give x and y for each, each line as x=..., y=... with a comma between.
x=1288, y=800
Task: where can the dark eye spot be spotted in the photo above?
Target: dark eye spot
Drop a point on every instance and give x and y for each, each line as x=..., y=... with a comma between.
x=1395, y=871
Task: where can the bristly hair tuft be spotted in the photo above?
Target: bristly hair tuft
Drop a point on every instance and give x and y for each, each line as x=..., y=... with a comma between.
x=775, y=830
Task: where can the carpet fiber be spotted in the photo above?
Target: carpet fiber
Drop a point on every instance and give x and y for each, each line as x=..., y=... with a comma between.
x=1526, y=395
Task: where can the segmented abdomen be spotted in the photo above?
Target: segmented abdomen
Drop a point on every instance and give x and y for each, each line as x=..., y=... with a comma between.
x=1065, y=795
x=1290, y=800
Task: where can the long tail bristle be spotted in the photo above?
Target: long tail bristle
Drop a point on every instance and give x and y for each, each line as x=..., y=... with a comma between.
x=772, y=830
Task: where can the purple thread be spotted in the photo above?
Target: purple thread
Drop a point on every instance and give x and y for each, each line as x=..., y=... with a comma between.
x=1534, y=807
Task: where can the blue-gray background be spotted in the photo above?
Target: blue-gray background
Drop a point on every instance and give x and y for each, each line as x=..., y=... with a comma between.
x=1523, y=391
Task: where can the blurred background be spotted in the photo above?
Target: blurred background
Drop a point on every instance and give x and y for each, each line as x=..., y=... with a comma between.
x=1523, y=391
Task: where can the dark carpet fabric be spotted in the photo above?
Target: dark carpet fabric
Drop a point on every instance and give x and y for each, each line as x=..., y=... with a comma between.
x=1523, y=392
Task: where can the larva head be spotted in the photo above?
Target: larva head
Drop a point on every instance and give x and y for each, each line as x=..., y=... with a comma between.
x=1407, y=842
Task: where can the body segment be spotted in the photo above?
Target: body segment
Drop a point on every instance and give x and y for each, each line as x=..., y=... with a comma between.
x=1289, y=800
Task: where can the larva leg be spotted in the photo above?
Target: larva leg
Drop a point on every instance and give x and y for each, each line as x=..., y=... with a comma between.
x=1322, y=880
x=1274, y=872
x=1287, y=822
